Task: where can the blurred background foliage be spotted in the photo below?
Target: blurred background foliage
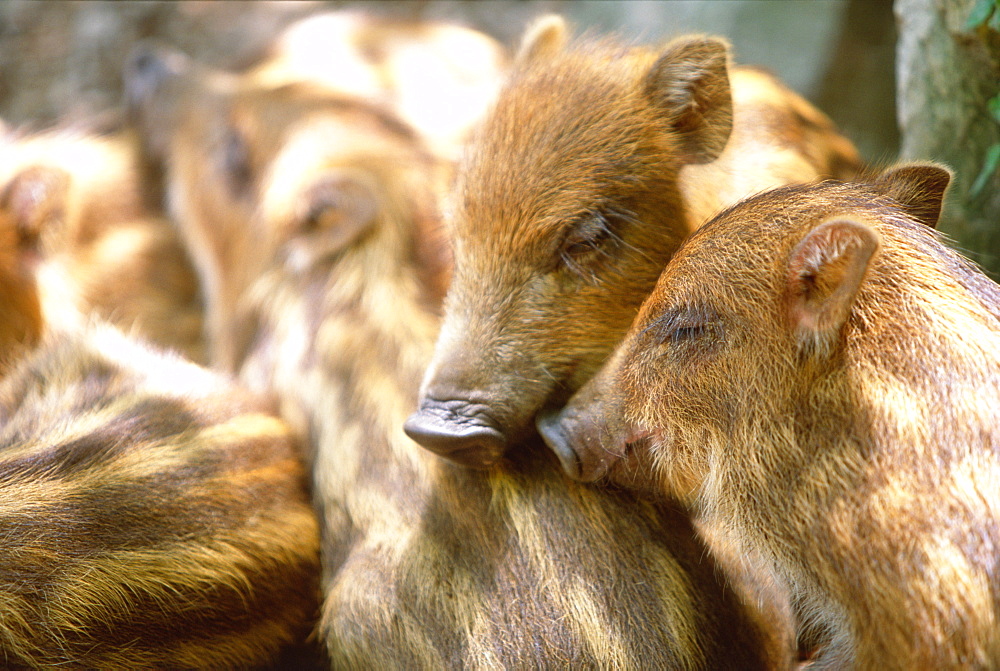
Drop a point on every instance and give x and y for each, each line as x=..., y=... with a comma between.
x=910, y=80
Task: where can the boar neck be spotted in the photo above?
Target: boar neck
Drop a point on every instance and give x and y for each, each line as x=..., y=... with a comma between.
x=875, y=451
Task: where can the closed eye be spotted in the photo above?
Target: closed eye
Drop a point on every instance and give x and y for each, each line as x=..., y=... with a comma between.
x=593, y=238
x=687, y=325
x=586, y=237
x=577, y=249
x=688, y=332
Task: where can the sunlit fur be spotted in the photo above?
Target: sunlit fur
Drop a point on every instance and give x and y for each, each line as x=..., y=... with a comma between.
x=438, y=77
x=865, y=471
x=427, y=565
x=152, y=516
x=73, y=203
x=580, y=128
x=778, y=138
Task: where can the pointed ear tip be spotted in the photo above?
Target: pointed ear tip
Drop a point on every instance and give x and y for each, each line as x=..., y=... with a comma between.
x=713, y=45
x=545, y=33
x=832, y=237
x=925, y=171
x=546, y=22
x=40, y=181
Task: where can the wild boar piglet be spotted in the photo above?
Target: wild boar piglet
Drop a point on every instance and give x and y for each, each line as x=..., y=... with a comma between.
x=818, y=374
x=595, y=162
x=315, y=218
x=73, y=204
x=152, y=515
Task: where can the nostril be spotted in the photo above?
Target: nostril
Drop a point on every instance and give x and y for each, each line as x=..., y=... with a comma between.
x=144, y=61
x=147, y=70
x=551, y=431
x=470, y=444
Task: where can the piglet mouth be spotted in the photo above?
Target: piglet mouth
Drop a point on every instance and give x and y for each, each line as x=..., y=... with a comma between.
x=585, y=452
x=637, y=439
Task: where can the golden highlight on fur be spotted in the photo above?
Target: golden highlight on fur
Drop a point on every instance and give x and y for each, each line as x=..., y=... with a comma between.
x=597, y=159
x=829, y=370
x=151, y=515
x=333, y=311
x=73, y=204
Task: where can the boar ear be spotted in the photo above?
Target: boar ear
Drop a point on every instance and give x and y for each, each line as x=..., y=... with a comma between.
x=690, y=83
x=340, y=207
x=35, y=200
x=545, y=36
x=825, y=271
x=918, y=187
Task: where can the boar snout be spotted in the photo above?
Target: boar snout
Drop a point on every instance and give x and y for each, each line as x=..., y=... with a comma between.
x=550, y=429
x=476, y=401
x=458, y=430
x=587, y=446
x=145, y=71
x=152, y=77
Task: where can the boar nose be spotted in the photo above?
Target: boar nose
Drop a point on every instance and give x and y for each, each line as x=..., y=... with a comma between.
x=457, y=432
x=145, y=71
x=551, y=430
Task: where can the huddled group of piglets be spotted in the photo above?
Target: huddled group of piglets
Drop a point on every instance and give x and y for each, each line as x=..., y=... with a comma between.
x=395, y=351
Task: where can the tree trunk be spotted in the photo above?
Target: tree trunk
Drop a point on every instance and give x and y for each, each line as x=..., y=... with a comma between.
x=946, y=74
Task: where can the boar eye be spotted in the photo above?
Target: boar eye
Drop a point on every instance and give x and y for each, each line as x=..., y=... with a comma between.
x=684, y=332
x=591, y=239
x=690, y=325
x=236, y=162
x=587, y=237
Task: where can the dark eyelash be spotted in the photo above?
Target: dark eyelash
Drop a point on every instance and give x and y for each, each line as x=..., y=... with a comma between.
x=685, y=325
x=592, y=243
x=574, y=253
x=687, y=332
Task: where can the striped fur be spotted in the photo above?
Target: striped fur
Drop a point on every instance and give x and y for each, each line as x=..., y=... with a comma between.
x=429, y=565
x=151, y=514
x=73, y=202
x=596, y=161
x=425, y=565
x=827, y=372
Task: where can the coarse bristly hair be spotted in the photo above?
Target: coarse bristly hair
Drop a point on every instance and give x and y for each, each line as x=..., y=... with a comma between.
x=428, y=564
x=597, y=159
x=313, y=220
x=831, y=370
x=152, y=515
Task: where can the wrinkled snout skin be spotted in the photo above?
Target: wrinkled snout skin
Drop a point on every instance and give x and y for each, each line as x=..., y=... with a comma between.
x=596, y=440
x=478, y=399
x=597, y=160
x=560, y=232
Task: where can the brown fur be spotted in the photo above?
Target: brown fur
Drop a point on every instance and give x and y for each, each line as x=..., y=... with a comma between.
x=74, y=203
x=234, y=215
x=822, y=374
x=426, y=565
x=596, y=161
x=20, y=309
x=151, y=515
